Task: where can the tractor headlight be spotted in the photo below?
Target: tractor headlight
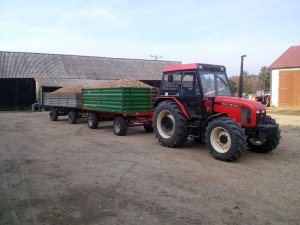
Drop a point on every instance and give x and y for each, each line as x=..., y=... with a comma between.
x=257, y=111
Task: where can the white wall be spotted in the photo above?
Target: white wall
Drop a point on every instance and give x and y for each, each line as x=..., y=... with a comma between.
x=275, y=85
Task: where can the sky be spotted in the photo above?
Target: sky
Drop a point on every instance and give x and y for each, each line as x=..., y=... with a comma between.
x=215, y=32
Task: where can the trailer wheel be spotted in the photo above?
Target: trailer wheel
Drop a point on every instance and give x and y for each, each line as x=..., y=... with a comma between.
x=268, y=144
x=72, y=116
x=93, y=120
x=148, y=127
x=225, y=138
x=120, y=126
x=170, y=125
x=53, y=115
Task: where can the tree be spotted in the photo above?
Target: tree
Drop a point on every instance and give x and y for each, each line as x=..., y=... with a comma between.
x=234, y=85
x=264, y=75
x=251, y=83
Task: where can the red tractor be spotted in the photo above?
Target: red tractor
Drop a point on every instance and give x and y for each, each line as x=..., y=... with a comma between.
x=195, y=100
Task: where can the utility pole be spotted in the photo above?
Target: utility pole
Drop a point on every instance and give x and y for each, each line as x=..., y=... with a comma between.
x=155, y=57
x=241, y=76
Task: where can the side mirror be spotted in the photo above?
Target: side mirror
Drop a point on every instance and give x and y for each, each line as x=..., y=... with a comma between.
x=170, y=78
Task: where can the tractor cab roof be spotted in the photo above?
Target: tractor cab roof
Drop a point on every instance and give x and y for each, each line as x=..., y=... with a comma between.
x=193, y=66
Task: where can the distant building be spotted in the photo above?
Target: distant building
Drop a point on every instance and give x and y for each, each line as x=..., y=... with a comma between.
x=285, y=79
x=24, y=77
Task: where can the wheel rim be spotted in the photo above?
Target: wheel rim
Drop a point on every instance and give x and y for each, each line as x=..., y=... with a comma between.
x=257, y=141
x=220, y=139
x=165, y=124
x=117, y=127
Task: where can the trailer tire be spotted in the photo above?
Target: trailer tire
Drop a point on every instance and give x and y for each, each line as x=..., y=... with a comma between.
x=225, y=138
x=53, y=115
x=120, y=126
x=93, y=120
x=267, y=145
x=170, y=125
x=148, y=127
x=72, y=116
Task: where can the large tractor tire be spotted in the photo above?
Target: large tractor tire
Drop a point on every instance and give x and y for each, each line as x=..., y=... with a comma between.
x=53, y=115
x=170, y=125
x=72, y=117
x=93, y=121
x=269, y=143
x=225, y=138
x=120, y=126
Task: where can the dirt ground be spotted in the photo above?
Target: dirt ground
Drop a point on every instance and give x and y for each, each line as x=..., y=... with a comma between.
x=58, y=173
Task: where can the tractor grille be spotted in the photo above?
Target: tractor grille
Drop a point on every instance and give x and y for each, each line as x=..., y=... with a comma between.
x=260, y=118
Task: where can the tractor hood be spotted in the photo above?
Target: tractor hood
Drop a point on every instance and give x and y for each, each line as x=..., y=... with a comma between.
x=244, y=111
x=239, y=102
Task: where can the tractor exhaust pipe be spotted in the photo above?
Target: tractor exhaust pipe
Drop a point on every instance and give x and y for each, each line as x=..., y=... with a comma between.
x=241, y=76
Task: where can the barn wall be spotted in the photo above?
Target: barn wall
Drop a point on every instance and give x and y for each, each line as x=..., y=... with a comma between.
x=275, y=85
x=289, y=86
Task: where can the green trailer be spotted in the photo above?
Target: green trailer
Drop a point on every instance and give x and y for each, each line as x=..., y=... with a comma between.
x=119, y=100
x=125, y=106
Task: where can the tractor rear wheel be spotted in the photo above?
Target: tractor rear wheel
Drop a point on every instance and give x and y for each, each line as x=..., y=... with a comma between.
x=170, y=125
x=225, y=138
x=267, y=144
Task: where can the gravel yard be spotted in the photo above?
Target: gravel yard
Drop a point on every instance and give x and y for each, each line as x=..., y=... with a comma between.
x=59, y=174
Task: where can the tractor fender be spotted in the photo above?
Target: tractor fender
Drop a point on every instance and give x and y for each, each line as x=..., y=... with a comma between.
x=214, y=116
x=181, y=106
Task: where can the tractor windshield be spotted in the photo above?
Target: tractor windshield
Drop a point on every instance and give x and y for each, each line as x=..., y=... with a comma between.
x=215, y=84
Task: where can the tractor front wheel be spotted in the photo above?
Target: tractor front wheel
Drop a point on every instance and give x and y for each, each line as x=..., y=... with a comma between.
x=267, y=144
x=170, y=125
x=225, y=139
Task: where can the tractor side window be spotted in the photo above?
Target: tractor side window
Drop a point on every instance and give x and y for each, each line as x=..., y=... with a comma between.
x=190, y=85
x=208, y=85
x=171, y=84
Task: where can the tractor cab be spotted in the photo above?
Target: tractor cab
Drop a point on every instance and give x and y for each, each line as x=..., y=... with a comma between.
x=195, y=100
x=193, y=83
x=195, y=80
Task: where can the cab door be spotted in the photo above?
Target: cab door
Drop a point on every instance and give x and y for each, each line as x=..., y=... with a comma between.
x=190, y=93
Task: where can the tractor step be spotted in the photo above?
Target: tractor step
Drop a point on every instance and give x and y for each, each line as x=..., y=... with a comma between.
x=194, y=117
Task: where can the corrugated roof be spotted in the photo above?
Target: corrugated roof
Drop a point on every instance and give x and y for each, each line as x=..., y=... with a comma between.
x=58, y=66
x=289, y=59
x=63, y=82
